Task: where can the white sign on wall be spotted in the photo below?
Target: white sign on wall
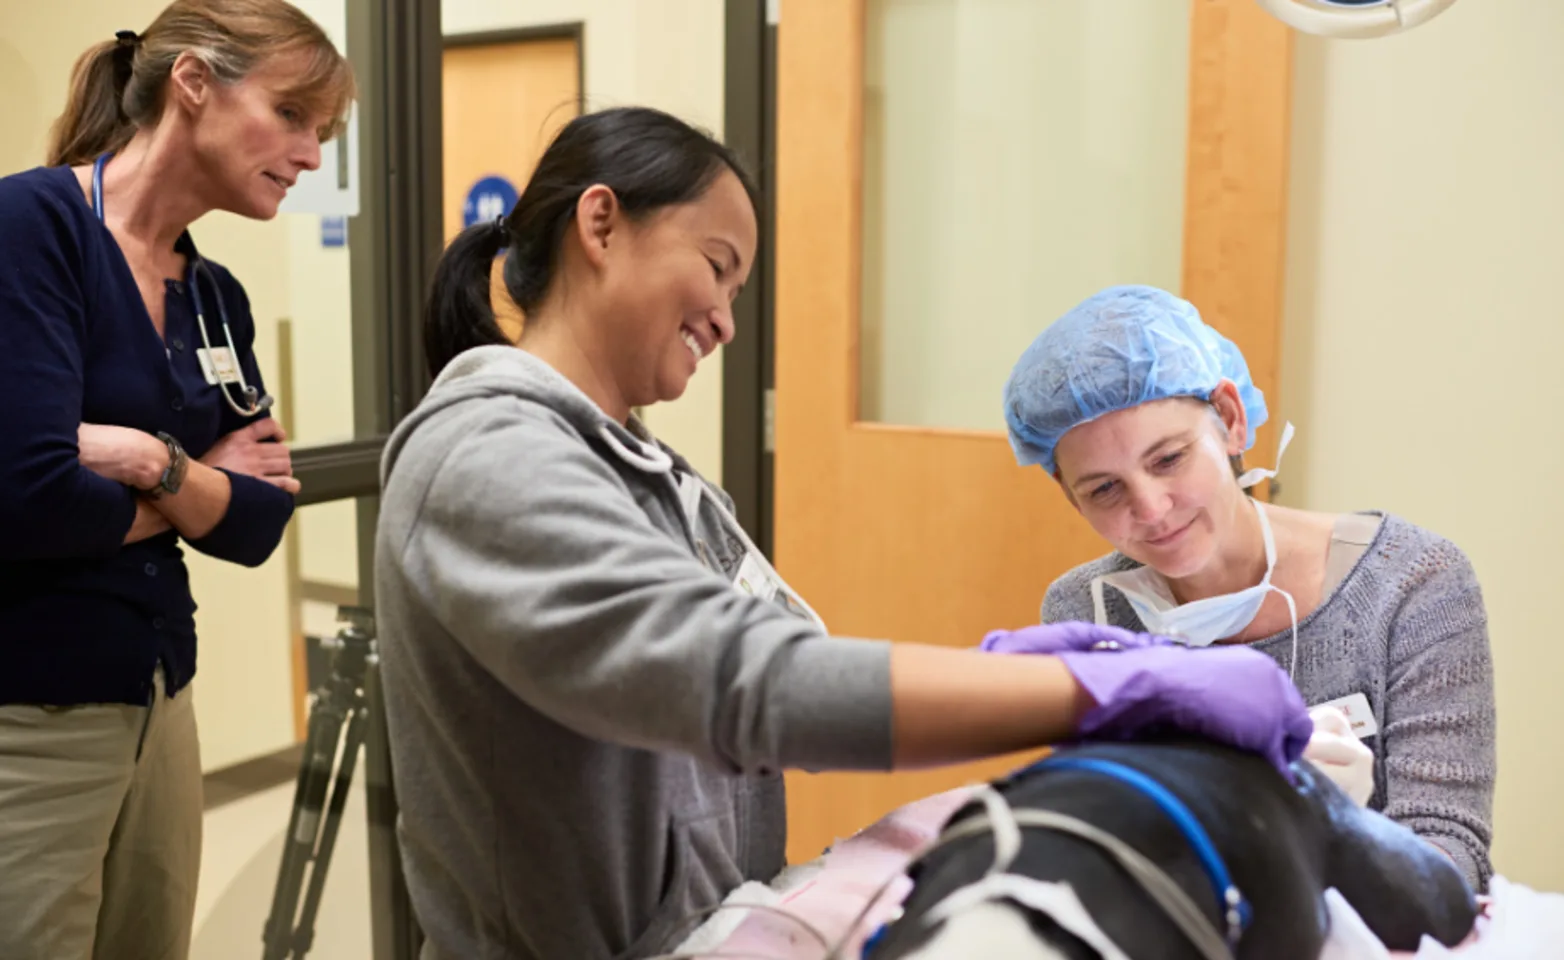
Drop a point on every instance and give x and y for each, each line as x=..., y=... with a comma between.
x=331, y=191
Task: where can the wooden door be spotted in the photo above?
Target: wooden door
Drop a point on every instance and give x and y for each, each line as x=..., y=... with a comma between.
x=503, y=101
x=935, y=535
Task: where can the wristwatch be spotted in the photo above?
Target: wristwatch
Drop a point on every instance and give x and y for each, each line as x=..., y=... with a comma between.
x=174, y=473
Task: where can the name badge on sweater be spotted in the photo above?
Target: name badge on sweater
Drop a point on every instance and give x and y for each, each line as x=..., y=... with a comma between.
x=753, y=579
x=1356, y=707
x=218, y=365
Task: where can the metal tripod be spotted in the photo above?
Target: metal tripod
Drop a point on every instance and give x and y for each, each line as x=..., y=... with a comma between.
x=341, y=700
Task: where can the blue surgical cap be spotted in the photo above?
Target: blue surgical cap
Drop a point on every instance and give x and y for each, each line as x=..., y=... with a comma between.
x=1120, y=348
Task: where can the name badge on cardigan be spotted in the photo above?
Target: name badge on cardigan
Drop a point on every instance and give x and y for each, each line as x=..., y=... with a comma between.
x=1356, y=707
x=218, y=365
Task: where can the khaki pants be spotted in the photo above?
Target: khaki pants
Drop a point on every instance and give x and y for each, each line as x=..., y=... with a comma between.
x=100, y=830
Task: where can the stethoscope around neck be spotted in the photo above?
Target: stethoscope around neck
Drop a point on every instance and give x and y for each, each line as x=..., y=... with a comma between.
x=255, y=402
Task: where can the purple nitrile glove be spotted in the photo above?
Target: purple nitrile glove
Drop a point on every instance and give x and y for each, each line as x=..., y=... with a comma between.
x=1059, y=637
x=1233, y=695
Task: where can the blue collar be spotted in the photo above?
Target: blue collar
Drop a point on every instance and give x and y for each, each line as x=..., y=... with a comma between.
x=1237, y=911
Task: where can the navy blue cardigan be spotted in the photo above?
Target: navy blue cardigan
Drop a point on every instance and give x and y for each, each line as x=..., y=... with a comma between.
x=83, y=618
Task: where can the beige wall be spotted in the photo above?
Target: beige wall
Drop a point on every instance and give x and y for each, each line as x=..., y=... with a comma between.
x=1423, y=336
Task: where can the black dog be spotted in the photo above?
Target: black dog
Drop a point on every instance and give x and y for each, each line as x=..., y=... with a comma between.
x=1282, y=845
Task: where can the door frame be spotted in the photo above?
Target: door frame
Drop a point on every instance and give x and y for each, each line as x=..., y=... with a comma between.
x=393, y=244
x=569, y=30
x=749, y=362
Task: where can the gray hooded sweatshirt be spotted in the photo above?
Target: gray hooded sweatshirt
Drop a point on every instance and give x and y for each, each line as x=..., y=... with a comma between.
x=589, y=718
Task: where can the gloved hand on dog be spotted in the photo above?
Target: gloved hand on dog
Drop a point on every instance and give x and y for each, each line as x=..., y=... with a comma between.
x=1144, y=684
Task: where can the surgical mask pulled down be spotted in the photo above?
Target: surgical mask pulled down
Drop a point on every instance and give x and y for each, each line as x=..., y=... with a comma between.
x=1202, y=622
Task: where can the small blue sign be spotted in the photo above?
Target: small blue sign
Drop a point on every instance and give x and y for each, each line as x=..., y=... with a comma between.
x=490, y=197
x=333, y=231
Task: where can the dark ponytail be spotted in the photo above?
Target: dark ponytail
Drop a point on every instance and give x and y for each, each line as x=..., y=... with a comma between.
x=649, y=159
x=458, y=314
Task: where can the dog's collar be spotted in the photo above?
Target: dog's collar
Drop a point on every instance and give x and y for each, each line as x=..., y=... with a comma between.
x=1236, y=910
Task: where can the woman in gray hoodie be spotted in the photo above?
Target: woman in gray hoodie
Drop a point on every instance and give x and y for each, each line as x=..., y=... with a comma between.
x=593, y=680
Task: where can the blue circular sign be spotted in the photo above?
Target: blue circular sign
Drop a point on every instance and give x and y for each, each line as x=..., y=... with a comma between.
x=490, y=197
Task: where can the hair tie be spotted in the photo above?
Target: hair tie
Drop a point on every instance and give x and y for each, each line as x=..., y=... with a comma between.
x=500, y=228
x=123, y=57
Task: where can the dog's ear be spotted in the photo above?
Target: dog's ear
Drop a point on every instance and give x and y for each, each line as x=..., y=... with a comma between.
x=1398, y=883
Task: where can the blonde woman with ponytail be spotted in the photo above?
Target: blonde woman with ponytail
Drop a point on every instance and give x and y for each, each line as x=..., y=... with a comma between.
x=122, y=445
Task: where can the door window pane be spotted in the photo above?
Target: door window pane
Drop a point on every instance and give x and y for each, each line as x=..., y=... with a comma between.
x=1017, y=157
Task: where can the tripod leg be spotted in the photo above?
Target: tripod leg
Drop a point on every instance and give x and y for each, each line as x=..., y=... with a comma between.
x=304, y=938
x=320, y=749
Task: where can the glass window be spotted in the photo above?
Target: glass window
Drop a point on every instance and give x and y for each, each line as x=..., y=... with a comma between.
x=1017, y=157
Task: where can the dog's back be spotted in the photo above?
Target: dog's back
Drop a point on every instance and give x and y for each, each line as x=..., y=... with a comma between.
x=1281, y=845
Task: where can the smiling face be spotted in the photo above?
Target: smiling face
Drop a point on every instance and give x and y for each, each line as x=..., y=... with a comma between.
x=252, y=138
x=1156, y=480
x=669, y=289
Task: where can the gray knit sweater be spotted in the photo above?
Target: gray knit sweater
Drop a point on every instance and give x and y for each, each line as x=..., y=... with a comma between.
x=1407, y=629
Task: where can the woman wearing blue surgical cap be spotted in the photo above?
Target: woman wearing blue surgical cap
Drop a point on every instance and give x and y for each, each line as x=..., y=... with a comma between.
x=1142, y=413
